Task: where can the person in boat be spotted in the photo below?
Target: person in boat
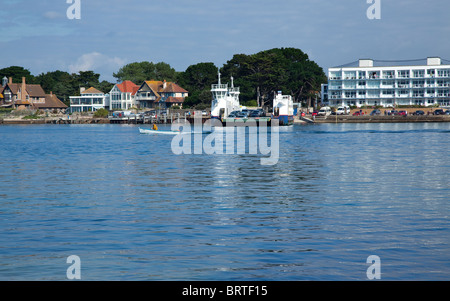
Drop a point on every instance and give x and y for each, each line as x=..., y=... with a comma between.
x=155, y=128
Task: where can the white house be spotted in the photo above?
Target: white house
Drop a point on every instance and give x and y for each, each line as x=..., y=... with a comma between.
x=89, y=100
x=123, y=96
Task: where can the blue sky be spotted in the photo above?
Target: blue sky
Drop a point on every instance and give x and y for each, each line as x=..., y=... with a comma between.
x=37, y=34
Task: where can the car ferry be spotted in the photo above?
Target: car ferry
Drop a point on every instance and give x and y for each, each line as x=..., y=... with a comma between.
x=283, y=109
x=225, y=99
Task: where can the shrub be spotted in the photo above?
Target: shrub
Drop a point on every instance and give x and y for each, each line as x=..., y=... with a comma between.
x=101, y=113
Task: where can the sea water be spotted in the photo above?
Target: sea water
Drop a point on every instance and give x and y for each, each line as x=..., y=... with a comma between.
x=130, y=209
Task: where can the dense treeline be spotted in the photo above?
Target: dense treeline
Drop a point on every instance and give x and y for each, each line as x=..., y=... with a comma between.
x=258, y=75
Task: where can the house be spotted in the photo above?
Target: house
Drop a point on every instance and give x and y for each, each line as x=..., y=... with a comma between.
x=89, y=100
x=123, y=96
x=21, y=95
x=52, y=103
x=153, y=94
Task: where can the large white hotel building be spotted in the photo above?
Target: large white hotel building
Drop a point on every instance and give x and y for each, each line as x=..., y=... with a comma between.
x=381, y=83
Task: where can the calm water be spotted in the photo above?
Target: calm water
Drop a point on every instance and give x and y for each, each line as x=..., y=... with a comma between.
x=132, y=210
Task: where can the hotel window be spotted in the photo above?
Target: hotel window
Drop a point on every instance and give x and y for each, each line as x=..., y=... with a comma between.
x=403, y=73
x=361, y=74
x=351, y=94
x=403, y=84
x=431, y=72
x=444, y=73
x=419, y=73
x=418, y=84
x=418, y=93
x=388, y=74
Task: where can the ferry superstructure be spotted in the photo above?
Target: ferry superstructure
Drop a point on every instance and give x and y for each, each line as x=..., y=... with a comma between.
x=225, y=99
x=283, y=109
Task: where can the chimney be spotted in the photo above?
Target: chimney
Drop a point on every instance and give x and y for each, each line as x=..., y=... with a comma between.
x=10, y=80
x=82, y=89
x=164, y=84
x=51, y=93
x=23, y=89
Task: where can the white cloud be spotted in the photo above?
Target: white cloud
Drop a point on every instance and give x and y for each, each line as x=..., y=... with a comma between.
x=97, y=62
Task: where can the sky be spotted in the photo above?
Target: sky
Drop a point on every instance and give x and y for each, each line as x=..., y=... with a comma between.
x=39, y=36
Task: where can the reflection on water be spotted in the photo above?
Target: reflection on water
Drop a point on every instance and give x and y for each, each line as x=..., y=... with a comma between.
x=132, y=210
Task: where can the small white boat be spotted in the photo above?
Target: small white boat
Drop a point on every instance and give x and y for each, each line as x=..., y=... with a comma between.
x=150, y=131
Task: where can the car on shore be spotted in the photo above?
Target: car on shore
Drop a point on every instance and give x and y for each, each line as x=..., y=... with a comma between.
x=439, y=112
x=358, y=113
x=447, y=112
x=419, y=112
x=375, y=112
x=257, y=113
x=402, y=113
x=393, y=112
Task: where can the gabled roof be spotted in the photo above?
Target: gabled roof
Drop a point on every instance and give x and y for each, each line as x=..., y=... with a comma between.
x=128, y=87
x=33, y=90
x=51, y=102
x=92, y=90
x=174, y=88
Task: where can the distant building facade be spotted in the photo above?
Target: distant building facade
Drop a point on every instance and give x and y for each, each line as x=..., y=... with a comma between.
x=30, y=96
x=123, y=96
x=90, y=100
x=153, y=94
x=367, y=84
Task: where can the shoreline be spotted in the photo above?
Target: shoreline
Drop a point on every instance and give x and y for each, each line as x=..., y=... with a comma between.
x=382, y=119
x=318, y=120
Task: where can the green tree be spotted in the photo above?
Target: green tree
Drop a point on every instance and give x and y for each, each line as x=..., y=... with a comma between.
x=197, y=79
x=17, y=72
x=262, y=74
x=138, y=72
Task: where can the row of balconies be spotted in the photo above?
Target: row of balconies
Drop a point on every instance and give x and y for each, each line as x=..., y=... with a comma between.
x=387, y=77
x=391, y=86
x=388, y=96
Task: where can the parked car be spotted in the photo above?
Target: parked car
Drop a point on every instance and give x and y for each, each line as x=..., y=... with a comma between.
x=447, y=112
x=358, y=113
x=343, y=110
x=419, y=112
x=242, y=114
x=233, y=114
x=375, y=112
x=324, y=111
x=439, y=112
x=403, y=113
x=257, y=113
x=204, y=113
x=393, y=112
x=314, y=113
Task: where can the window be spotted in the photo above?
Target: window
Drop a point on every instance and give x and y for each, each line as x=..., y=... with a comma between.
x=403, y=73
x=444, y=73
x=419, y=73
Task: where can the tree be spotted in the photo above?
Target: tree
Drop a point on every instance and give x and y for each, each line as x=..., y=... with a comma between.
x=17, y=72
x=197, y=79
x=262, y=74
x=142, y=71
